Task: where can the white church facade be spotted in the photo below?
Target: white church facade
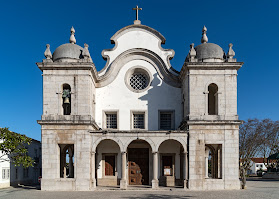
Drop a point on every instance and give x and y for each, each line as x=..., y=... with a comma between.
x=138, y=121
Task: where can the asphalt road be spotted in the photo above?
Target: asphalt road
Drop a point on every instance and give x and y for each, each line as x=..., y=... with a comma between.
x=256, y=188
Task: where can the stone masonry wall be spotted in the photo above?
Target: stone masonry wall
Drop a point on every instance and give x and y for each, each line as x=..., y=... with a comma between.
x=82, y=89
x=199, y=136
x=52, y=136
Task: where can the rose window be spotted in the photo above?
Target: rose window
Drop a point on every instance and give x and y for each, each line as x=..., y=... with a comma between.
x=138, y=81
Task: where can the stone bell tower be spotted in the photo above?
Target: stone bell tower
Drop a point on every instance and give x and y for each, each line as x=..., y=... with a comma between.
x=209, y=87
x=68, y=114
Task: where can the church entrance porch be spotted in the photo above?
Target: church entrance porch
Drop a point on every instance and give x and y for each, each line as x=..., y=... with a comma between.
x=141, y=160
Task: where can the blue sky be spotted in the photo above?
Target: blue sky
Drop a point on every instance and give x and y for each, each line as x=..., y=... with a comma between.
x=27, y=26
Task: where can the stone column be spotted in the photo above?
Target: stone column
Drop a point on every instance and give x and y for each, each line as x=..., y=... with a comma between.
x=186, y=177
x=123, y=181
x=71, y=167
x=65, y=172
x=206, y=166
x=155, y=181
x=206, y=102
x=93, y=177
x=217, y=109
x=219, y=163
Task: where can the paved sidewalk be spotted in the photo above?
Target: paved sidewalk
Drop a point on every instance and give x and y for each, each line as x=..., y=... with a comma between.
x=256, y=188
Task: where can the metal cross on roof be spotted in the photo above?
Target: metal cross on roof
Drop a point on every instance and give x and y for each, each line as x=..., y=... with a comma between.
x=137, y=12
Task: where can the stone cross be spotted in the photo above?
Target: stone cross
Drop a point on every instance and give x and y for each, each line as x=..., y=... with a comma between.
x=137, y=12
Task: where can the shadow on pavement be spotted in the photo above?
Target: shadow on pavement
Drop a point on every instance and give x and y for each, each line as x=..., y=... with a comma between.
x=160, y=196
x=260, y=179
x=37, y=187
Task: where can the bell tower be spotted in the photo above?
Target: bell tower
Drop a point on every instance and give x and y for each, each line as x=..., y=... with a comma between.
x=68, y=115
x=209, y=84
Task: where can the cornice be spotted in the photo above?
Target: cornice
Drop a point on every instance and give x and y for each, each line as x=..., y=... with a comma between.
x=210, y=66
x=69, y=66
x=214, y=122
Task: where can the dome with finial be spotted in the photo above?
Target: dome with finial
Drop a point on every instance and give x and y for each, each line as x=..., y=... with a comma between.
x=70, y=51
x=209, y=52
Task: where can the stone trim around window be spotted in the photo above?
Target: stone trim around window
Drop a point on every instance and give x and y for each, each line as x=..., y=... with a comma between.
x=104, y=123
x=144, y=112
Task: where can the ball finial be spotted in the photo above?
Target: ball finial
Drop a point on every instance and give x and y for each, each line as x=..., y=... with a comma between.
x=204, y=37
x=72, y=38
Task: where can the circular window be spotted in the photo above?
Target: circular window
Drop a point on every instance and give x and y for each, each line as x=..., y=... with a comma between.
x=137, y=79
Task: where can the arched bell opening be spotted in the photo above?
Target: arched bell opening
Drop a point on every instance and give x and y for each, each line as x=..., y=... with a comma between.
x=66, y=99
x=212, y=99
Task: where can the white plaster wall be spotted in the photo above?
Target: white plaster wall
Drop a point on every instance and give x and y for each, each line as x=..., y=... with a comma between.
x=159, y=96
x=4, y=165
x=108, y=146
x=137, y=38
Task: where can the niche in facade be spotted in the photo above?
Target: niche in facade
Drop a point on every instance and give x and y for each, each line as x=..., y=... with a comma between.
x=66, y=97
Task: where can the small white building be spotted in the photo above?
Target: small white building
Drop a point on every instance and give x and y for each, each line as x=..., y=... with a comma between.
x=4, y=170
x=12, y=176
x=257, y=164
x=29, y=176
x=138, y=121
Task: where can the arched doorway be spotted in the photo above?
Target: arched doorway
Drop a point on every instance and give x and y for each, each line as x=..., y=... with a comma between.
x=108, y=163
x=139, y=164
x=171, y=163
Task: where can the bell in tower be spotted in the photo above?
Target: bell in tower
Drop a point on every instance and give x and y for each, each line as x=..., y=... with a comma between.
x=66, y=96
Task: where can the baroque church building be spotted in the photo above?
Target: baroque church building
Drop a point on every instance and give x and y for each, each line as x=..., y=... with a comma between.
x=138, y=121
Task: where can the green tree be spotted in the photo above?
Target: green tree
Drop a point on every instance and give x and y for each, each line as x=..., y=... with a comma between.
x=12, y=145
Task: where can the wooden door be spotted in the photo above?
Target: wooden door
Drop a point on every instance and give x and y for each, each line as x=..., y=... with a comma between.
x=134, y=173
x=138, y=166
x=110, y=165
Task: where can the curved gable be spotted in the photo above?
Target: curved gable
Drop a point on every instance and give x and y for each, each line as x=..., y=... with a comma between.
x=142, y=27
x=141, y=39
x=139, y=54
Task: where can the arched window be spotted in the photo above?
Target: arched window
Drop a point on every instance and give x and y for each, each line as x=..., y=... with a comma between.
x=213, y=161
x=66, y=160
x=66, y=97
x=212, y=99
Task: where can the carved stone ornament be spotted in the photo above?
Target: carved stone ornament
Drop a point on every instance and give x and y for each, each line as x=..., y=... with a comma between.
x=231, y=54
x=47, y=53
